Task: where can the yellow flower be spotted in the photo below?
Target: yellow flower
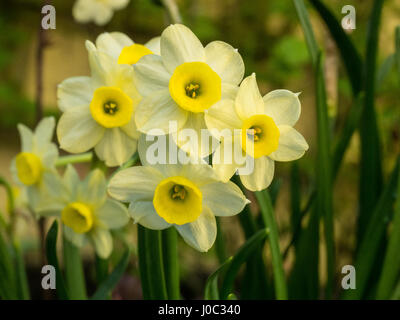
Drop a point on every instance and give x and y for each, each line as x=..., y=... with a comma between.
x=98, y=11
x=87, y=213
x=265, y=128
x=187, y=197
x=183, y=82
x=98, y=111
x=33, y=168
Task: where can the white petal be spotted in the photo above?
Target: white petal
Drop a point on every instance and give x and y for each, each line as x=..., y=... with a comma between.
x=50, y=155
x=229, y=91
x=283, y=106
x=71, y=181
x=112, y=214
x=197, y=145
x=154, y=45
x=77, y=239
x=226, y=61
x=115, y=147
x=118, y=4
x=77, y=131
x=102, y=66
x=131, y=130
x=143, y=212
x=112, y=43
x=201, y=174
x=157, y=110
x=45, y=130
x=223, y=199
x=73, y=92
x=178, y=45
x=102, y=241
x=292, y=145
x=82, y=11
x=200, y=234
x=248, y=100
x=150, y=75
x=26, y=138
x=134, y=184
x=93, y=188
x=103, y=14
x=222, y=116
x=262, y=175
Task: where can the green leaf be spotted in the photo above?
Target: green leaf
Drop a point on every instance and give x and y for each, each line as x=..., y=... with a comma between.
x=171, y=262
x=371, y=181
x=267, y=214
x=240, y=257
x=307, y=29
x=391, y=265
x=8, y=280
x=397, y=49
x=384, y=70
x=22, y=279
x=144, y=274
x=350, y=56
x=373, y=237
x=51, y=252
x=112, y=280
x=211, y=291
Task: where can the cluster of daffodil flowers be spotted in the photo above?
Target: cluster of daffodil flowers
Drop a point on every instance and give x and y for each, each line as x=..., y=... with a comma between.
x=133, y=91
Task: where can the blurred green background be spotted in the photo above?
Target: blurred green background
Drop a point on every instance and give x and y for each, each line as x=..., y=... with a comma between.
x=270, y=40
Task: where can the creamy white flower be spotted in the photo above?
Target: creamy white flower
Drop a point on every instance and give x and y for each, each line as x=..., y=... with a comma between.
x=98, y=11
x=33, y=169
x=98, y=111
x=184, y=81
x=86, y=211
x=264, y=126
x=187, y=197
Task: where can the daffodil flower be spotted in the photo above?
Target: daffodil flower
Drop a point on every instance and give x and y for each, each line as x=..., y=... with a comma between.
x=86, y=211
x=123, y=49
x=184, y=81
x=265, y=128
x=33, y=168
x=98, y=111
x=187, y=197
x=98, y=11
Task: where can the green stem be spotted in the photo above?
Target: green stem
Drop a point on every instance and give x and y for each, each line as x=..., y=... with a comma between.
x=101, y=269
x=78, y=158
x=74, y=274
x=144, y=274
x=171, y=262
x=267, y=213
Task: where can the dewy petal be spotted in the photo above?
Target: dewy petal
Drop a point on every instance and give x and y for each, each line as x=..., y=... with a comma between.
x=226, y=61
x=199, y=145
x=45, y=130
x=116, y=147
x=248, y=100
x=155, y=112
x=134, y=184
x=223, y=199
x=26, y=138
x=201, y=233
x=178, y=45
x=292, y=145
x=77, y=131
x=262, y=175
x=283, y=106
x=150, y=75
x=102, y=241
x=76, y=239
x=154, y=45
x=221, y=117
x=93, y=189
x=143, y=212
x=112, y=214
x=75, y=91
x=112, y=43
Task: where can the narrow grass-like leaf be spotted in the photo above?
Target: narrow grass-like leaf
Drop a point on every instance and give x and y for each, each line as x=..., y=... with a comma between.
x=171, y=262
x=350, y=56
x=267, y=213
x=144, y=272
x=211, y=291
x=239, y=258
x=51, y=252
x=112, y=280
x=8, y=280
x=391, y=265
x=397, y=52
x=295, y=210
x=384, y=70
x=307, y=30
x=220, y=242
x=370, y=169
x=374, y=234
x=74, y=275
x=22, y=280
x=101, y=269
